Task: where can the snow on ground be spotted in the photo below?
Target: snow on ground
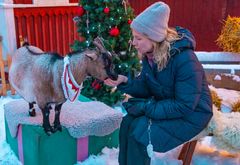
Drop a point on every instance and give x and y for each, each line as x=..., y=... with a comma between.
x=205, y=153
x=228, y=96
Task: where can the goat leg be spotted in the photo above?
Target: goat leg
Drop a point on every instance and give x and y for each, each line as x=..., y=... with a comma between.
x=46, y=124
x=57, y=125
x=31, y=110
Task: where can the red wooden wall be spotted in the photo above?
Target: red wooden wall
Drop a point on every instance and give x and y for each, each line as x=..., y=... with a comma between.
x=22, y=1
x=30, y=1
x=52, y=28
x=203, y=17
x=49, y=28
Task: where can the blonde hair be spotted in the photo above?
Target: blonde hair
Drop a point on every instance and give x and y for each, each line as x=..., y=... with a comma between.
x=162, y=49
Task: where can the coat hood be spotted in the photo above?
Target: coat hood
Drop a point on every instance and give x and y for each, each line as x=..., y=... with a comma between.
x=187, y=41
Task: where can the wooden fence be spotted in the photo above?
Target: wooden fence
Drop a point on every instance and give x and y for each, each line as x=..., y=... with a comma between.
x=49, y=28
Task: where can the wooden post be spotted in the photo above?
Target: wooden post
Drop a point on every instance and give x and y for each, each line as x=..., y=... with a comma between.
x=1, y=69
x=187, y=152
x=9, y=62
x=4, y=69
x=1, y=47
x=3, y=80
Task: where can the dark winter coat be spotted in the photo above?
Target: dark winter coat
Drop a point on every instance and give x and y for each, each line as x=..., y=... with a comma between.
x=181, y=104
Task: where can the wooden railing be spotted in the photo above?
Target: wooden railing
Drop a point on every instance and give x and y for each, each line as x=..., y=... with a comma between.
x=49, y=28
x=4, y=68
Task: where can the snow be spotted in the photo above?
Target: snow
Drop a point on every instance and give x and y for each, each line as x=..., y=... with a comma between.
x=222, y=66
x=234, y=77
x=205, y=153
x=228, y=96
x=218, y=57
x=218, y=77
x=219, y=60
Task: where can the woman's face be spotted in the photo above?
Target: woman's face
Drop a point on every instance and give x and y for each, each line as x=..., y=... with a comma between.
x=142, y=43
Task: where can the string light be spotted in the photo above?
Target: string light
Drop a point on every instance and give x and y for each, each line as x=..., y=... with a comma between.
x=87, y=43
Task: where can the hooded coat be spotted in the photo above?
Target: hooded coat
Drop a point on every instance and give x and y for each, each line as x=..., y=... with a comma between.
x=180, y=106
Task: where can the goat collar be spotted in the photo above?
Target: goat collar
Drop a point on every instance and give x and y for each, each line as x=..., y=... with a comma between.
x=70, y=87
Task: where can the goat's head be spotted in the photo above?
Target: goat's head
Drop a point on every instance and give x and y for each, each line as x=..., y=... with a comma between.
x=101, y=65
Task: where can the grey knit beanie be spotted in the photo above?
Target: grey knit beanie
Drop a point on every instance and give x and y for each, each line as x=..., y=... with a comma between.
x=153, y=21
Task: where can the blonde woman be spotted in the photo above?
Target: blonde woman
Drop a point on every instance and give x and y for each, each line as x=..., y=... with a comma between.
x=172, y=102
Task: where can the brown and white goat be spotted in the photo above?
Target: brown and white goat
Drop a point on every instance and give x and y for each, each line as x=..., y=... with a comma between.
x=36, y=76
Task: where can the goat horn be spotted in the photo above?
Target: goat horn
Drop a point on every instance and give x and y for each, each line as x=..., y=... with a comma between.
x=98, y=42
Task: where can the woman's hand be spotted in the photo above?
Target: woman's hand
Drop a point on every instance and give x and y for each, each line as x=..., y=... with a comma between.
x=136, y=106
x=112, y=83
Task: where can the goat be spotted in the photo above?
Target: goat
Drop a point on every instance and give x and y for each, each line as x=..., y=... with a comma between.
x=36, y=76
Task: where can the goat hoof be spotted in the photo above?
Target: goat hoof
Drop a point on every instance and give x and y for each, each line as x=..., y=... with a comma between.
x=48, y=132
x=57, y=128
x=32, y=113
x=60, y=128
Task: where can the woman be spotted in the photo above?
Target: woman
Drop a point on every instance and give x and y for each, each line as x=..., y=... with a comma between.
x=172, y=100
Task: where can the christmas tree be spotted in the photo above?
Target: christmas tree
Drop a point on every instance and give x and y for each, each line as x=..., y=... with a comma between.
x=109, y=19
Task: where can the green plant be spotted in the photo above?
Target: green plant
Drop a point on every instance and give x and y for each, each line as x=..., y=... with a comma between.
x=236, y=106
x=229, y=39
x=217, y=101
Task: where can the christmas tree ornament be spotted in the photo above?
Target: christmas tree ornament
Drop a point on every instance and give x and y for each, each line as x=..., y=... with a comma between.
x=76, y=19
x=80, y=11
x=129, y=21
x=82, y=38
x=96, y=85
x=114, y=32
x=106, y=10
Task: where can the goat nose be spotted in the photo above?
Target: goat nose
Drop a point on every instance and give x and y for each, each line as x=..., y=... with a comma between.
x=114, y=76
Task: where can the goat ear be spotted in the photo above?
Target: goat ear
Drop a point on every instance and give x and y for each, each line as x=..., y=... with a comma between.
x=91, y=54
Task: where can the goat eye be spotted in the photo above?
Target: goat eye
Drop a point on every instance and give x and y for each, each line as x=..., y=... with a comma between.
x=106, y=62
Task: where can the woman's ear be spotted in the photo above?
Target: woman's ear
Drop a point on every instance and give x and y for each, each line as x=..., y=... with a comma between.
x=154, y=45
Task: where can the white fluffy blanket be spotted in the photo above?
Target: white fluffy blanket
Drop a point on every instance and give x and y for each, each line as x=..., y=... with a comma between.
x=225, y=128
x=80, y=118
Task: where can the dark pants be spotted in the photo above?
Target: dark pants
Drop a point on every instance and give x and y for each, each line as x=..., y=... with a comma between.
x=130, y=151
